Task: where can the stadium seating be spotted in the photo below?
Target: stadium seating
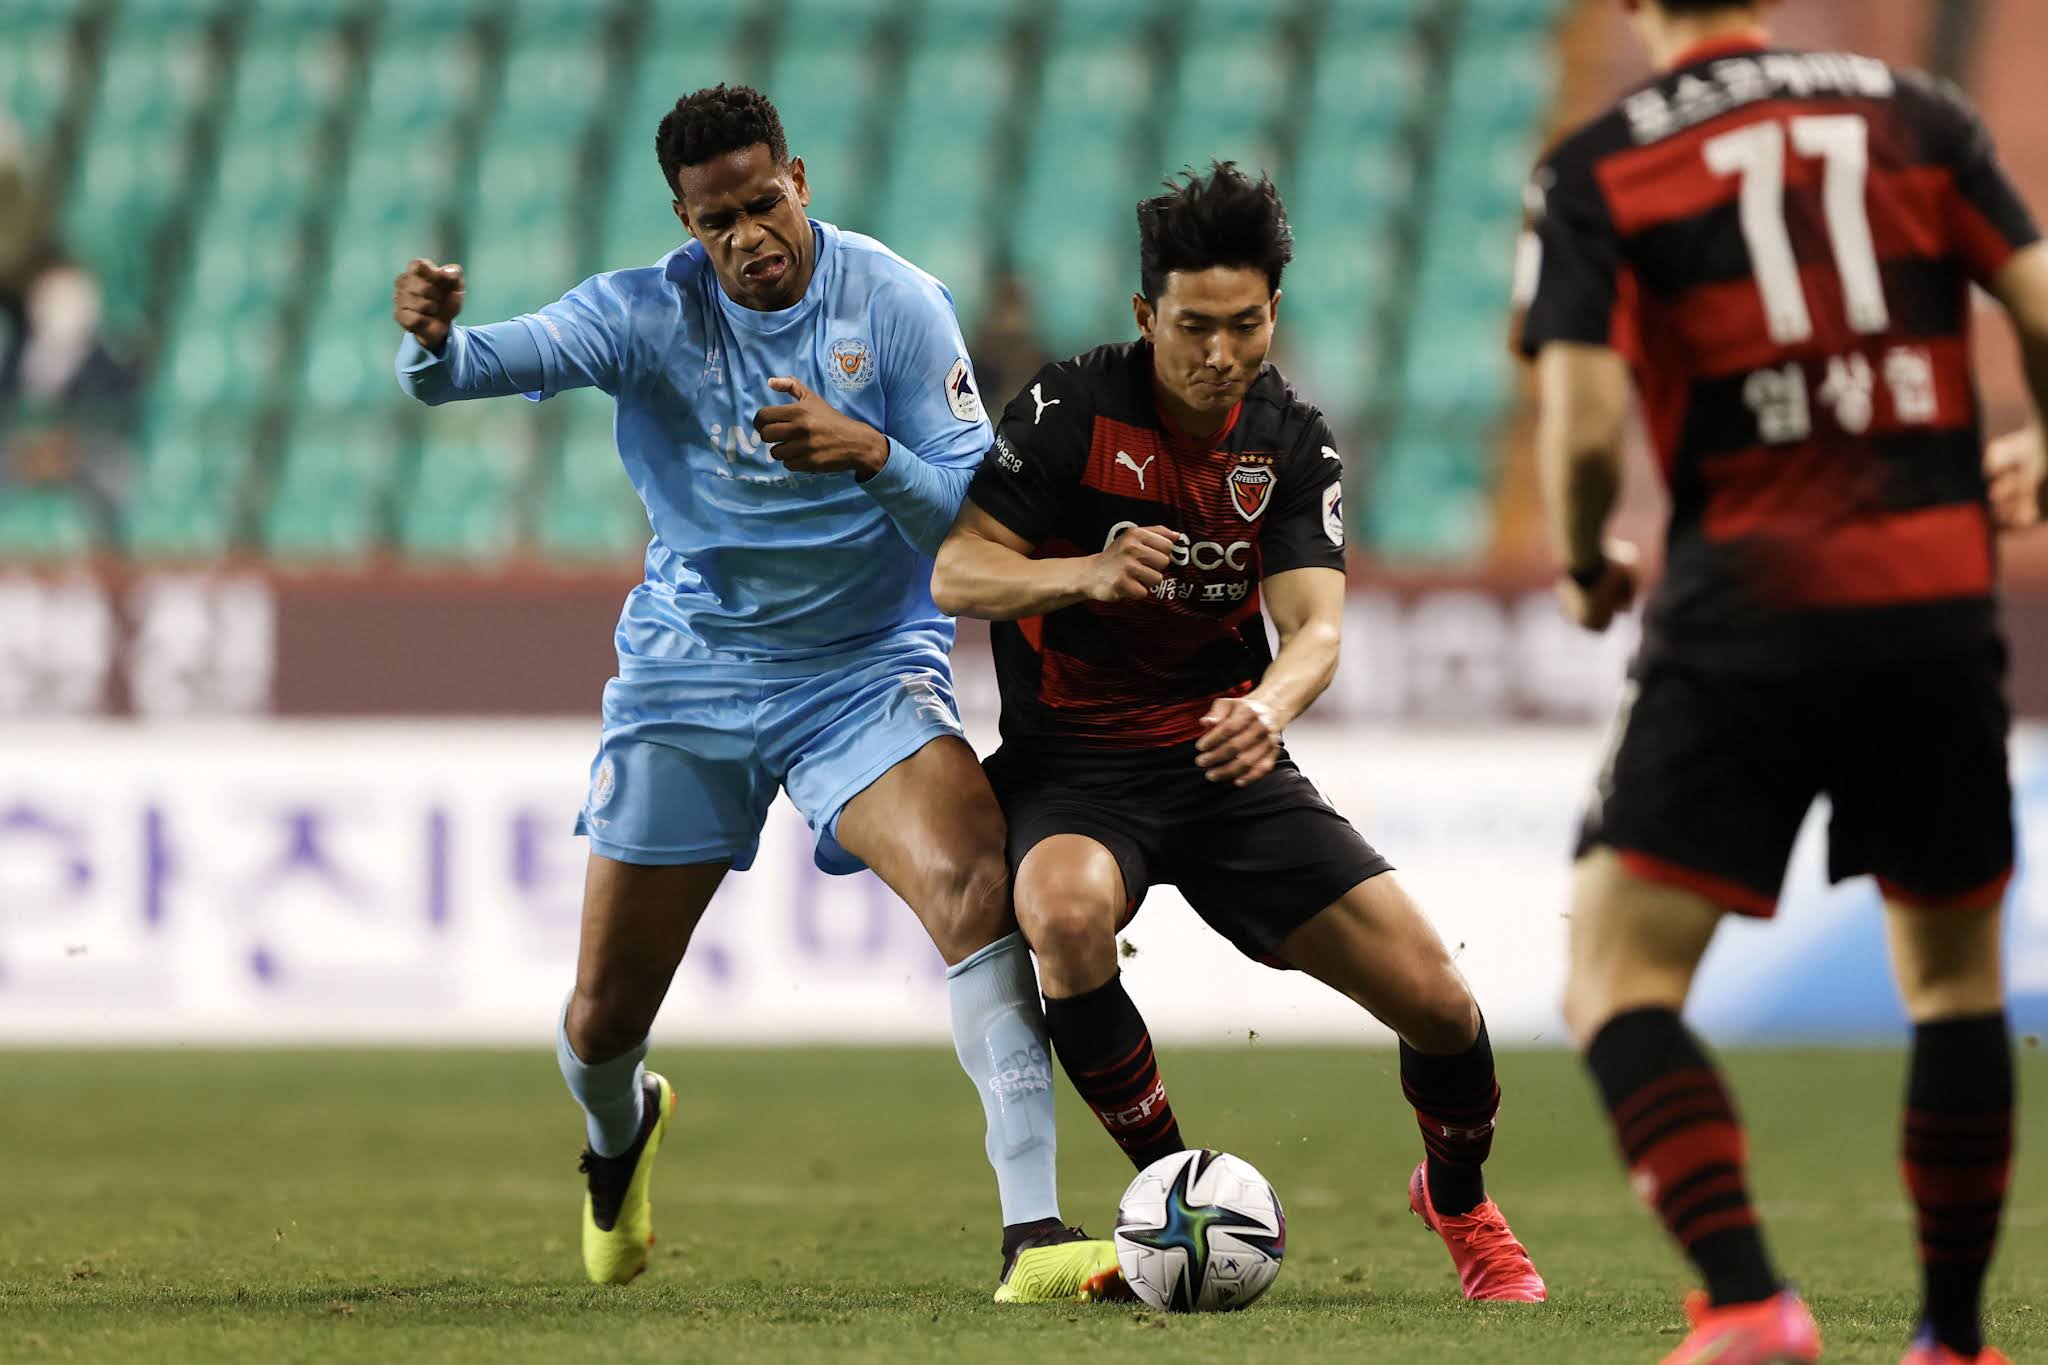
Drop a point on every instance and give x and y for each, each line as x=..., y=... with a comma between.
x=247, y=176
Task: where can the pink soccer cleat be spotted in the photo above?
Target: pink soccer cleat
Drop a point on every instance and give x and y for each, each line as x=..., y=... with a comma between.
x=1773, y=1331
x=1491, y=1263
x=1927, y=1351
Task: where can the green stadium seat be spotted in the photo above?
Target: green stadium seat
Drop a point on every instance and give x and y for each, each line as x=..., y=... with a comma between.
x=588, y=510
x=35, y=73
x=187, y=495
x=1225, y=103
x=1511, y=16
x=1091, y=21
x=674, y=25
x=1235, y=18
x=1428, y=497
x=1504, y=83
x=962, y=21
x=43, y=523
x=1367, y=85
x=833, y=25
x=327, y=502
x=458, y=500
x=1371, y=18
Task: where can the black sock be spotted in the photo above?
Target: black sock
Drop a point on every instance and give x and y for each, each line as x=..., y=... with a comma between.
x=1101, y=1041
x=1017, y=1234
x=1685, y=1148
x=1958, y=1161
x=1455, y=1097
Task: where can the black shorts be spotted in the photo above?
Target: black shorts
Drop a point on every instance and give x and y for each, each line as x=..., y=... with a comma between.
x=1710, y=776
x=1255, y=862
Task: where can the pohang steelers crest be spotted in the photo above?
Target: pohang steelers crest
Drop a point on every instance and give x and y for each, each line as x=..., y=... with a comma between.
x=1251, y=488
x=853, y=364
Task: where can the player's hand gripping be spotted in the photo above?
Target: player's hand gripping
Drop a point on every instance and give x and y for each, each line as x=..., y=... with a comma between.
x=1596, y=605
x=810, y=436
x=425, y=299
x=1242, y=742
x=2016, y=466
x=1134, y=564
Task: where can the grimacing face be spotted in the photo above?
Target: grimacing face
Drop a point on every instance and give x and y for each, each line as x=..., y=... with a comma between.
x=1210, y=331
x=748, y=211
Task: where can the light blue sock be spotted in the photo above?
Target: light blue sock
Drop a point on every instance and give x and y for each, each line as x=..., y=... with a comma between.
x=999, y=1036
x=609, y=1091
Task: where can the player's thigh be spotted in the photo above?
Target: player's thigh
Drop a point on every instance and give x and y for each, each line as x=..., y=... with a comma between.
x=1634, y=943
x=1259, y=862
x=678, y=778
x=1922, y=797
x=637, y=922
x=1948, y=958
x=839, y=735
x=930, y=828
x=1375, y=946
x=1705, y=783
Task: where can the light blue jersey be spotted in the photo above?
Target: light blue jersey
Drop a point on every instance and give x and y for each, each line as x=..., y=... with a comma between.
x=748, y=559
x=784, y=635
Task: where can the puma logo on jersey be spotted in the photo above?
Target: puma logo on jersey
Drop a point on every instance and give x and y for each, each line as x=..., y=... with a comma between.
x=1128, y=463
x=1042, y=402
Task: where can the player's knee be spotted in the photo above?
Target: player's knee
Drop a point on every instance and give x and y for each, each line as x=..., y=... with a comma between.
x=601, y=1027
x=1067, y=929
x=1443, y=1018
x=973, y=908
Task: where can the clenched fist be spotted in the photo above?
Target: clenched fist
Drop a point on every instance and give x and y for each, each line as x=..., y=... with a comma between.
x=1133, y=565
x=810, y=436
x=2016, y=468
x=425, y=299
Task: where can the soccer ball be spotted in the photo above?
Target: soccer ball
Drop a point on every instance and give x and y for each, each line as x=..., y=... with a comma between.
x=1200, y=1232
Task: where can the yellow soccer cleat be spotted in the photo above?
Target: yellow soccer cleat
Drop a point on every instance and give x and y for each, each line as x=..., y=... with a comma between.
x=618, y=1209
x=1062, y=1266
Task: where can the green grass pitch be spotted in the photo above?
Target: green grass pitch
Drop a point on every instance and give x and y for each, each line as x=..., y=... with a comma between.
x=421, y=1207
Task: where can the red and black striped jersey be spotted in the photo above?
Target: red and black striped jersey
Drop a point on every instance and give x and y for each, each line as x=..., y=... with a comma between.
x=1084, y=453
x=1782, y=244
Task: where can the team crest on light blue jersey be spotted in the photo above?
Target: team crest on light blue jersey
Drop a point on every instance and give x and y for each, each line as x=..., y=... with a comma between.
x=853, y=365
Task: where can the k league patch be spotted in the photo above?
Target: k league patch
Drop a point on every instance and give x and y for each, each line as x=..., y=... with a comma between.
x=603, y=783
x=1251, y=488
x=853, y=365
x=1333, y=513
x=960, y=394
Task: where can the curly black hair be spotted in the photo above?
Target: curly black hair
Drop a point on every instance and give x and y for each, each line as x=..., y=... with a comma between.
x=711, y=122
x=1223, y=218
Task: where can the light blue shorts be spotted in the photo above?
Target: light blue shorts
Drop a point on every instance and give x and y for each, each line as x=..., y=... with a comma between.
x=694, y=752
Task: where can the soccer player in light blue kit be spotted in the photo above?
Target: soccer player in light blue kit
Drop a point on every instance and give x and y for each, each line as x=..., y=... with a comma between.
x=797, y=411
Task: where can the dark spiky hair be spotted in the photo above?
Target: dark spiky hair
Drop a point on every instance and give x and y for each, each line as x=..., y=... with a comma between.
x=708, y=123
x=1224, y=218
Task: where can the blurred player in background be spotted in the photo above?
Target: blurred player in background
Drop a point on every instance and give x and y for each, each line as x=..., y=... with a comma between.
x=1781, y=247
x=784, y=636
x=1141, y=503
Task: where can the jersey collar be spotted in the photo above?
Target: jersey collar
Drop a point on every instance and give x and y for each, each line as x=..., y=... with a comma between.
x=1727, y=45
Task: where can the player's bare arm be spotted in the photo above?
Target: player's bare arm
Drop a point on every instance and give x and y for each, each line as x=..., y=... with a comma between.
x=810, y=436
x=985, y=570
x=1242, y=742
x=1585, y=398
x=425, y=299
x=2017, y=464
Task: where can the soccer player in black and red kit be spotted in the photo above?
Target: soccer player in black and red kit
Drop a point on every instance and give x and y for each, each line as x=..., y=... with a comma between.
x=1141, y=504
x=1780, y=247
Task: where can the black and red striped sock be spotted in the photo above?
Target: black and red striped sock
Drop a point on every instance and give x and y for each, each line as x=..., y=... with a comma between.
x=1685, y=1148
x=1456, y=1097
x=1101, y=1041
x=1958, y=1161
